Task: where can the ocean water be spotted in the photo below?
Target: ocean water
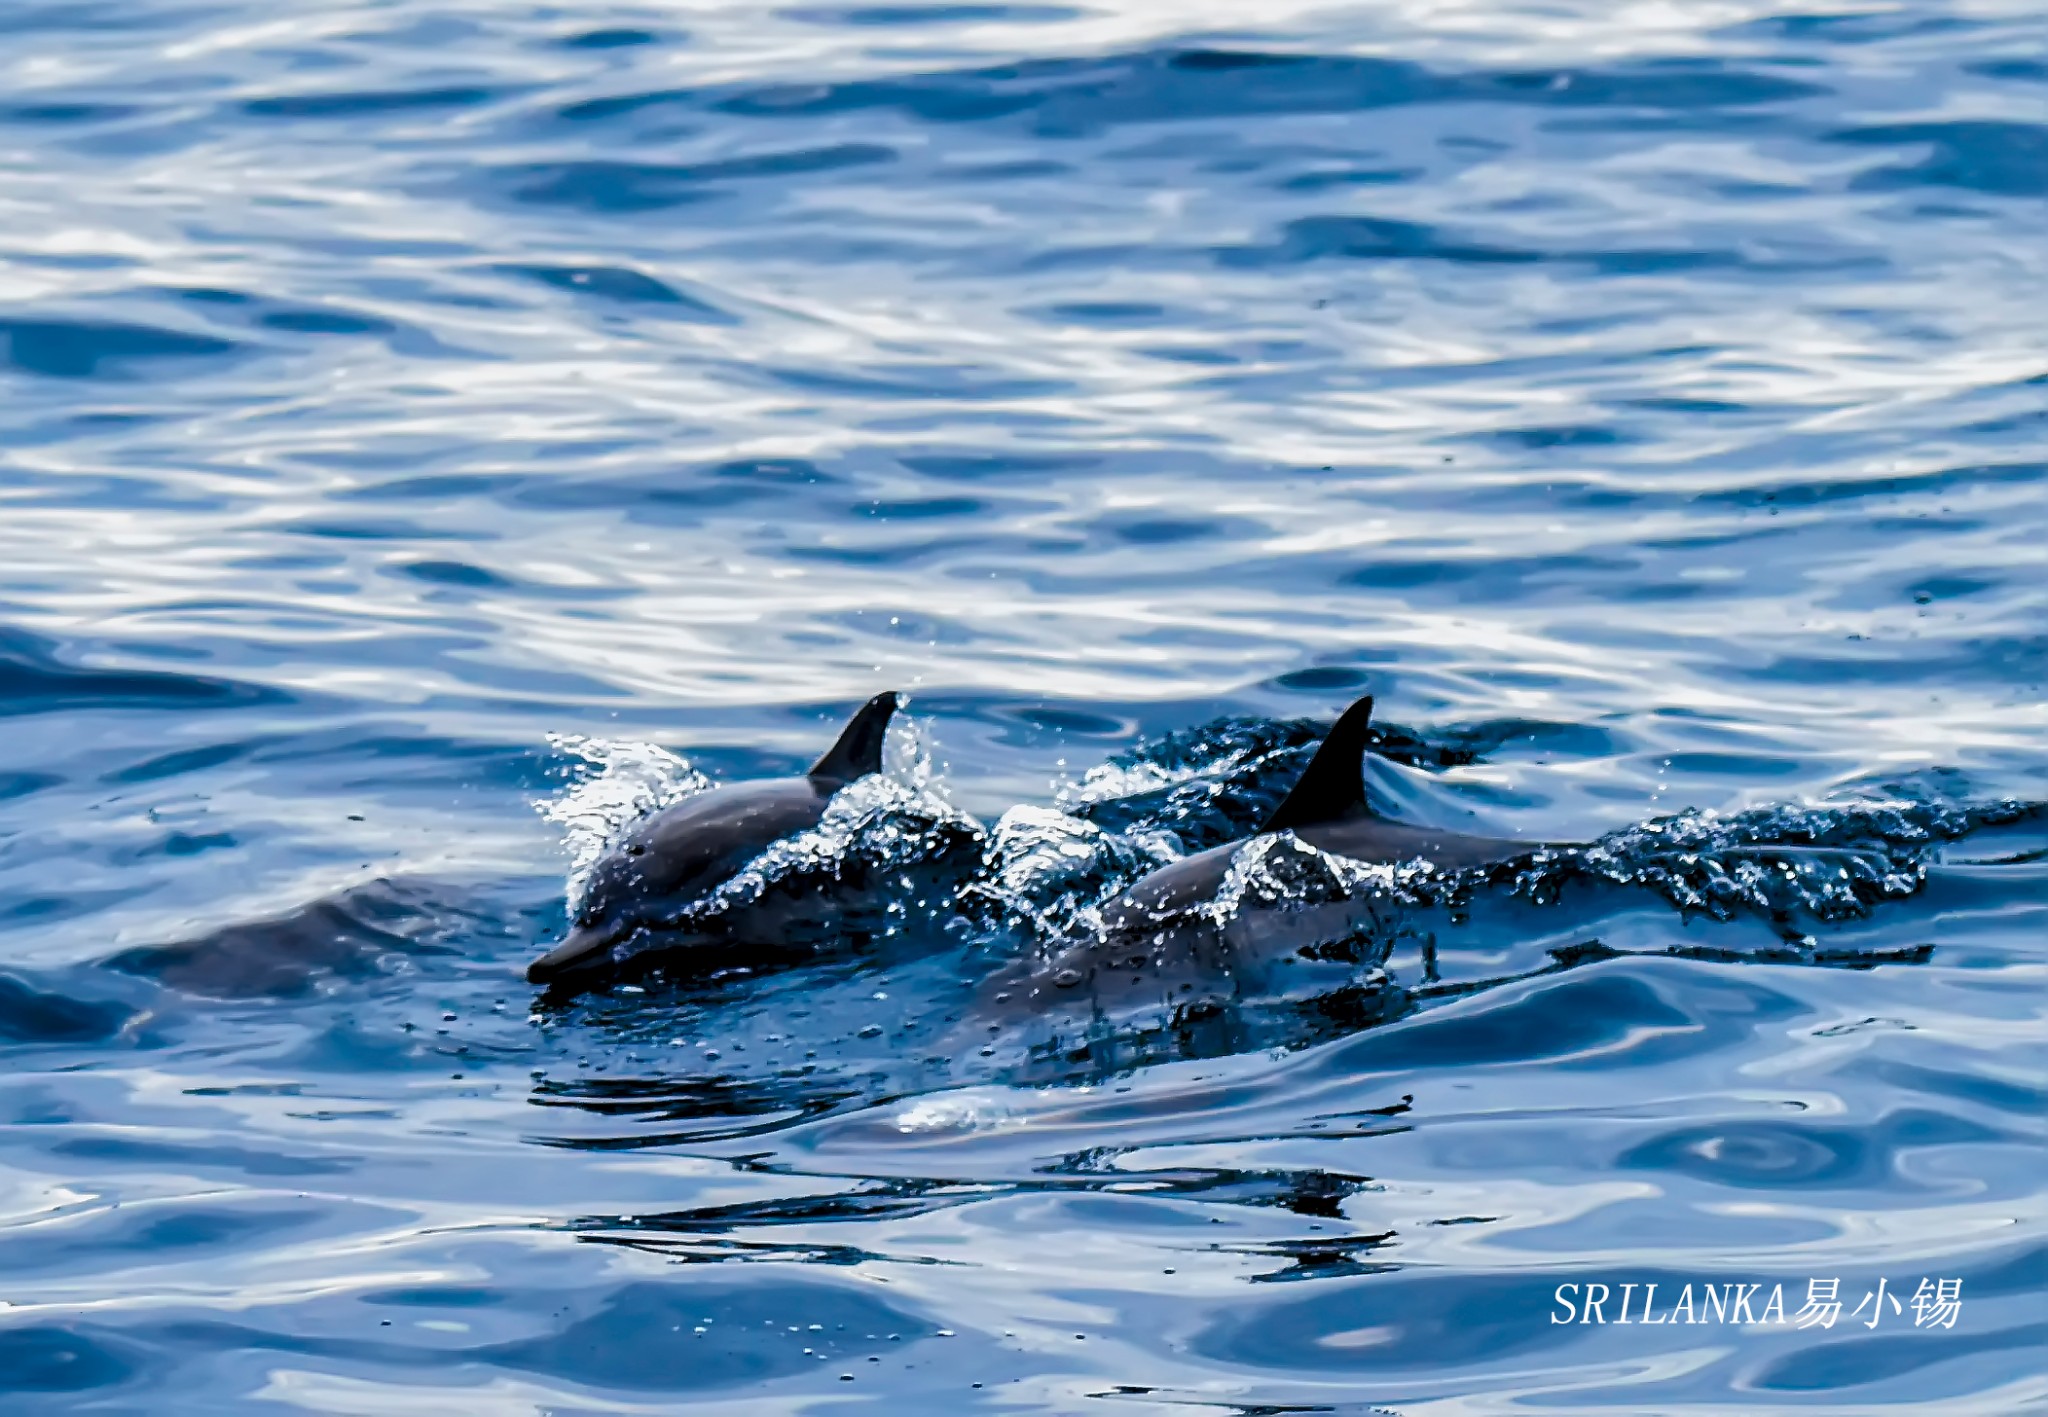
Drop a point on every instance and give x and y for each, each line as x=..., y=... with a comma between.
x=432, y=432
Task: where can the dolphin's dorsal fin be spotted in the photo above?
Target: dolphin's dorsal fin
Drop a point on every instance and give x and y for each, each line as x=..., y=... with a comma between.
x=1332, y=786
x=859, y=749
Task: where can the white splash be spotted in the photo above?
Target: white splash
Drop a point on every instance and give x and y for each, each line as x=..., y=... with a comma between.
x=879, y=820
x=955, y=1112
x=907, y=758
x=1107, y=782
x=1282, y=869
x=619, y=782
x=1048, y=867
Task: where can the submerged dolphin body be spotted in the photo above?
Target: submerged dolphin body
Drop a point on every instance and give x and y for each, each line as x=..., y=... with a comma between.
x=678, y=856
x=357, y=933
x=1159, y=947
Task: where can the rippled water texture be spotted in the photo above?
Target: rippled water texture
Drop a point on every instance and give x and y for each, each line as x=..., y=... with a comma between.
x=416, y=414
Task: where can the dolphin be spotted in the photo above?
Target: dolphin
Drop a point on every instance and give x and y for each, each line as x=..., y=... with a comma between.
x=1157, y=946
x=679, y=855
x=353, y=934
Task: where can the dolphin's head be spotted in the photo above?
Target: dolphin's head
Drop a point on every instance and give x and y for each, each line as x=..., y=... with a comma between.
x=628, y=893
x=613, y=909
x=659, y=879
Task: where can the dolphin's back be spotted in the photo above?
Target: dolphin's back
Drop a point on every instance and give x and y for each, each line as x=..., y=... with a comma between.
x=686, y=850
x=1173, y=889
x=1376, y=839
x=1193, y=880
x=1327, y=809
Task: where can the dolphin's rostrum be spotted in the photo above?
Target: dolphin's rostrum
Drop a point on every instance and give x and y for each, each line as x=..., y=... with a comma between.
x=673, y=859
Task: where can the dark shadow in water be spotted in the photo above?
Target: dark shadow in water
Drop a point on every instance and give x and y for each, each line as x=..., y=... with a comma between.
x=693, y=1109
x=748, y=1230
x=1084, y=96
x=1999, y=159
x=1338, y=1257
x=706, y=1235
x=51, y=1359
x=34, y=678
x=87, y=349
x=32, y=1015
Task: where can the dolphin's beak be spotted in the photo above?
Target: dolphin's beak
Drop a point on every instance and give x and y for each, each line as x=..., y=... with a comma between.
x=583, y=946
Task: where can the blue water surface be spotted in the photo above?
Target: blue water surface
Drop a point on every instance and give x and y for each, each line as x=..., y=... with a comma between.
x=431, y=431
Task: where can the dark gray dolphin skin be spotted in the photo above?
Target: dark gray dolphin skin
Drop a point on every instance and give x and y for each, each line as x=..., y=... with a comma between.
x=1155, y=948
x=353, y=934
x=681, y=853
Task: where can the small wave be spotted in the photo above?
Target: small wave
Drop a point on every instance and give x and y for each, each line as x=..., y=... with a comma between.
x=365, y=102
x=610, y=38
x=622, y=285
x=613, y=186
x=1083, y=95
x=2000, y=159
